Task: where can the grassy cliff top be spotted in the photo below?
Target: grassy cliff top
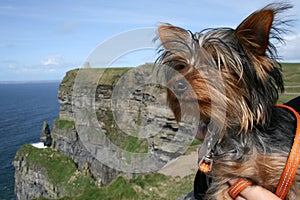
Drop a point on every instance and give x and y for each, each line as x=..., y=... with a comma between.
x=103, y=76
x=107, y=76
x=291, y=73
x=61, y=171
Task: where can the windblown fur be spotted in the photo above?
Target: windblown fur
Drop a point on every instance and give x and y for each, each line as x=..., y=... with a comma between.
x=234, y=73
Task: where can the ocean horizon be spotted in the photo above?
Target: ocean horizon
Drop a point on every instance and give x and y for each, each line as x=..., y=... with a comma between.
x=29, y=81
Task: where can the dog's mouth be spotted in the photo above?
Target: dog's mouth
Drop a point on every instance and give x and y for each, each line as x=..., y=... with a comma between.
x=201, y=132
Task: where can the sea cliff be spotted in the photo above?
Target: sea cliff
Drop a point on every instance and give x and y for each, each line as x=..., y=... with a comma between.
x=127, y=107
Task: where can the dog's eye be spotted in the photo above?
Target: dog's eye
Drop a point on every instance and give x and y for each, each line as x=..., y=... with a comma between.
x=179, y=67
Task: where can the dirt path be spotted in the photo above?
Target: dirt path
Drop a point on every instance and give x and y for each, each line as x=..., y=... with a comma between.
x=181, y=166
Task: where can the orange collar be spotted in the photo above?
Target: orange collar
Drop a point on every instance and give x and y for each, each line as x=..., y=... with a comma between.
x=293, y=161
x=289, y=171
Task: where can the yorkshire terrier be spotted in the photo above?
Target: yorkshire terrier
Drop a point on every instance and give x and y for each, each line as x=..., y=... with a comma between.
x=234, y=77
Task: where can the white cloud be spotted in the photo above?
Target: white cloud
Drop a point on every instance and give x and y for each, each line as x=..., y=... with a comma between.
x=53, y=60
x=291, y=50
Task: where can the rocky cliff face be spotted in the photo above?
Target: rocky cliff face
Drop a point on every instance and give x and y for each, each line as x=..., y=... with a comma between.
x=108, y=116
x=31, y=178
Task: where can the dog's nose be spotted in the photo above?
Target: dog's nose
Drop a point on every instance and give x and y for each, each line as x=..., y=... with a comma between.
x=179, y=87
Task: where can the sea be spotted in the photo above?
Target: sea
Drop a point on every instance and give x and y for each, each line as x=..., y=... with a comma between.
x=23, y=108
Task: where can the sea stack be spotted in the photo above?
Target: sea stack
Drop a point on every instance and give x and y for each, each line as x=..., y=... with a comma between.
x=46, y=135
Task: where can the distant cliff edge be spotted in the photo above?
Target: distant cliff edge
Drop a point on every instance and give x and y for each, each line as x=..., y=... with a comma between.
x=73, y=161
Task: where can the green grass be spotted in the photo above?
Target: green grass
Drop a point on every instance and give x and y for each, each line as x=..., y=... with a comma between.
x=64, y=124
x=61, y=171
x=283, y=98
x=112, y=75
x=119, y=138
x=69, y=78
x=149, y=186
x=135, y=145
x=291, y=75
x=143, y=187
x=87, y=76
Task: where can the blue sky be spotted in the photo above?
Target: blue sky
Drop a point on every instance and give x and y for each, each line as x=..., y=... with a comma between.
x=41, y=40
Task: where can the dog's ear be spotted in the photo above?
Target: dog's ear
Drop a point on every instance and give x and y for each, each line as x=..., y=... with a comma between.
x=172, y=37
x=254, y=31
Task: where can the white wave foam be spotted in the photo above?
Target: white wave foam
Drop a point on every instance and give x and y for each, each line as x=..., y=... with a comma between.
x=39, y=145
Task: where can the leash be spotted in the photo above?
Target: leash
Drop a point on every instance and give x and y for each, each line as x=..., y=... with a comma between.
x=289, y=171
x=287, y=176
x=293, y=161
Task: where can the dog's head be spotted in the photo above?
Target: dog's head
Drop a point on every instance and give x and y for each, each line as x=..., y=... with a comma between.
x=227, y=72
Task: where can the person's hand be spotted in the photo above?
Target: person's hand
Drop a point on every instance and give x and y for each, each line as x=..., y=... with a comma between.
x=254, y=192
